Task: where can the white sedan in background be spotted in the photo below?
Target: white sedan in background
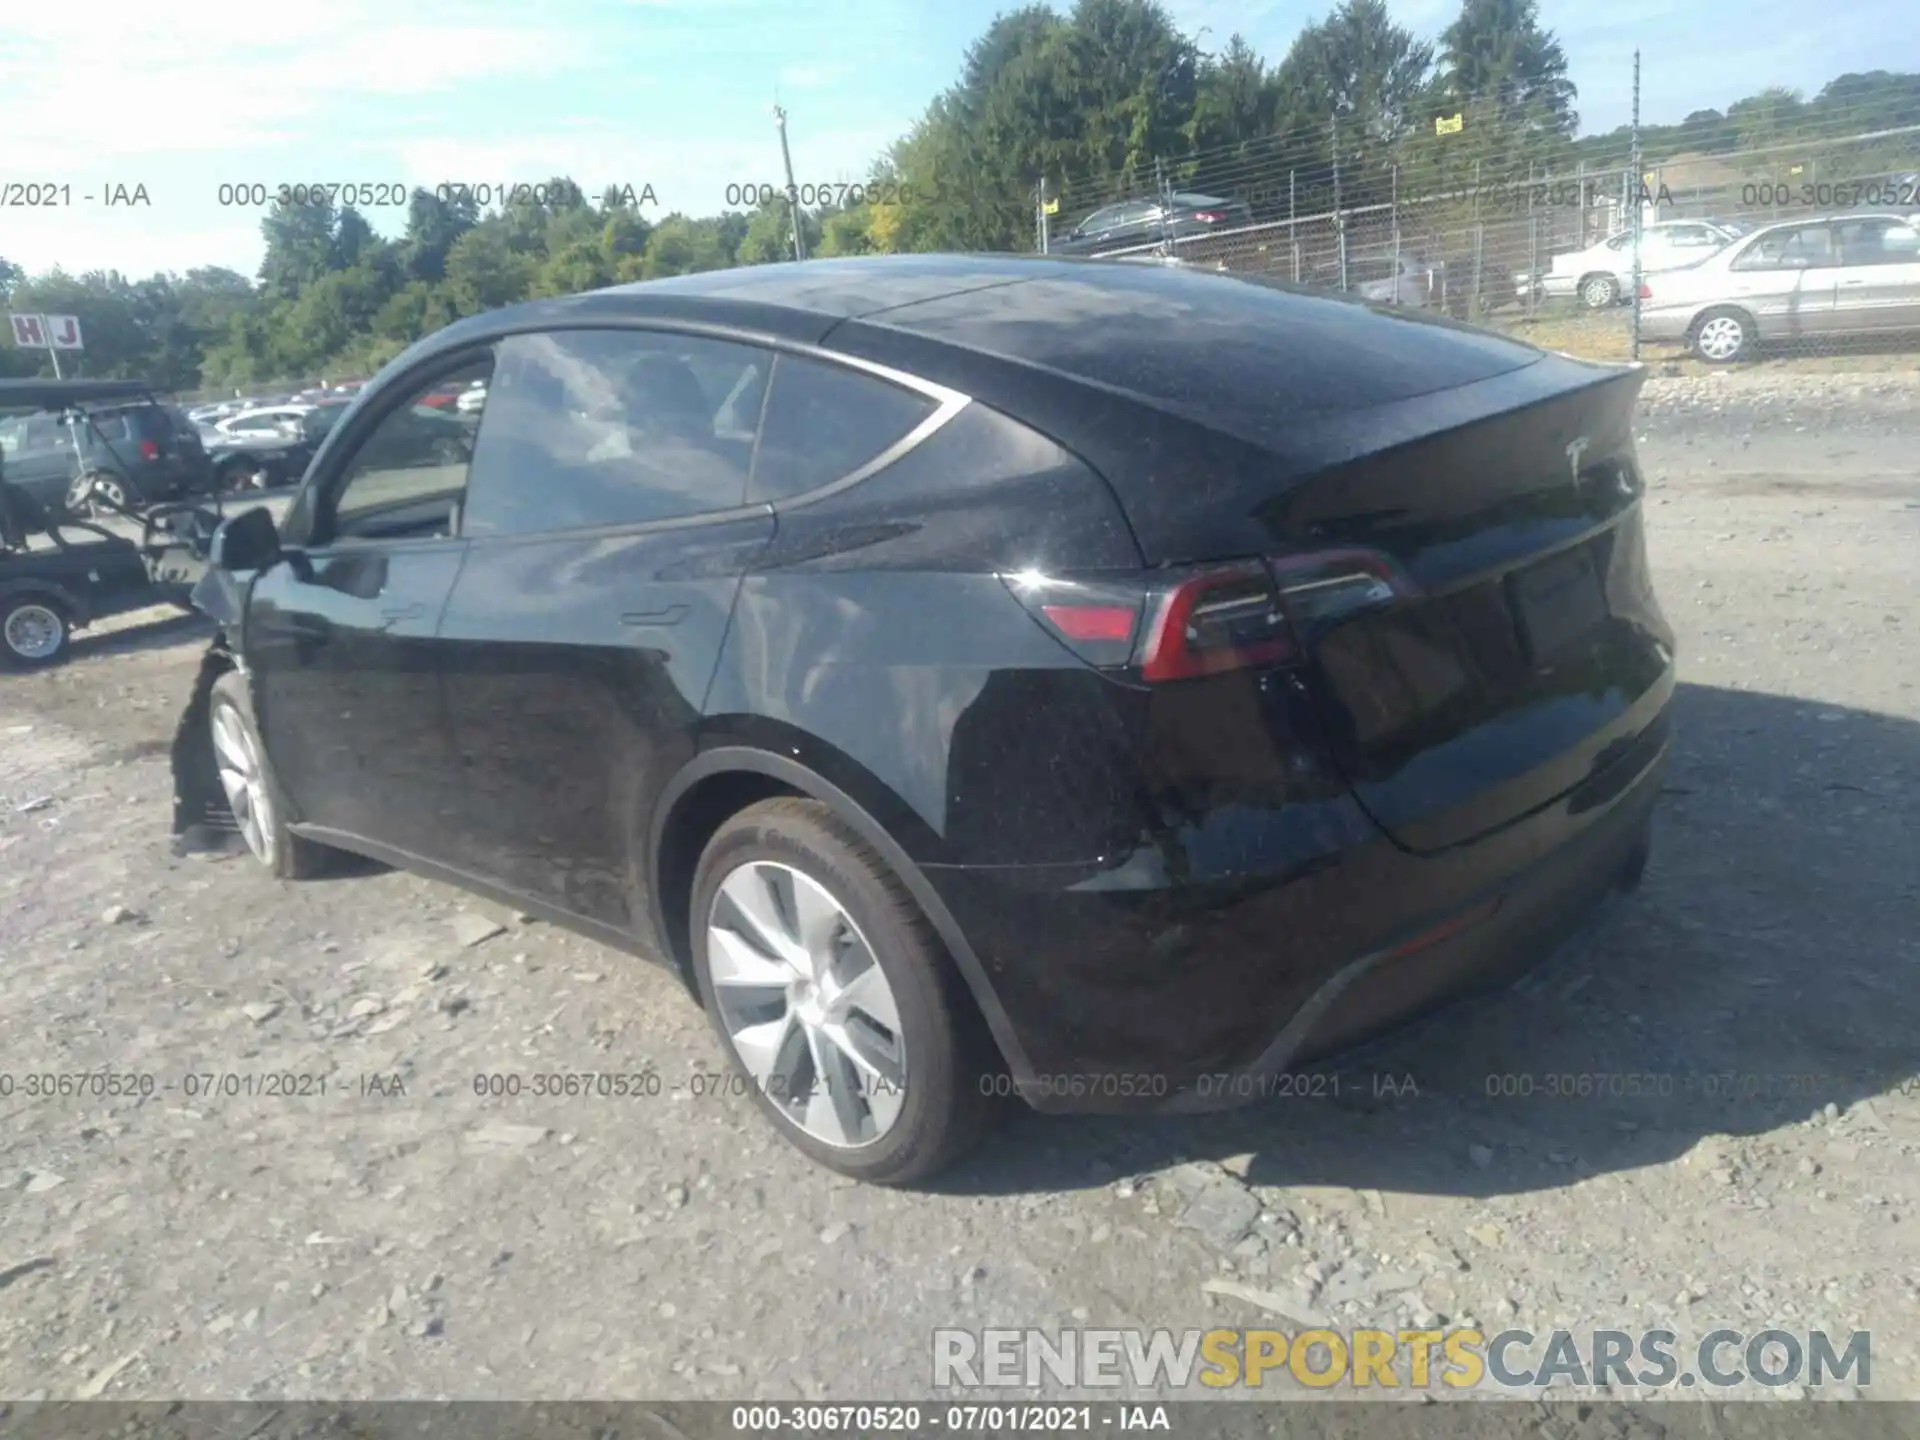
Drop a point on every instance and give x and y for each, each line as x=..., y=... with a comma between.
x=265, y=420
x=472, y=399
x=1602, y=275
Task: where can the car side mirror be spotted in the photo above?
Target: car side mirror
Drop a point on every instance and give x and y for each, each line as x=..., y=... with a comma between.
x=248, y=541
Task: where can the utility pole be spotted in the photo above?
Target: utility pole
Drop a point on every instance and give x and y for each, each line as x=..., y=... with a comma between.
x=1635, y=182
x=793, y=190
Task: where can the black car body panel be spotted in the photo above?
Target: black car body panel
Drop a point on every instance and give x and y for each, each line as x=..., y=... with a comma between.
x=1138, y=876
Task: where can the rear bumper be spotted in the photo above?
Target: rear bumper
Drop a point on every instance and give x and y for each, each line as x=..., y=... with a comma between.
x=1190, y=996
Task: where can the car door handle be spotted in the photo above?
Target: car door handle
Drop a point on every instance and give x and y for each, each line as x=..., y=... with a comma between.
x=403, y=612
x=672, y=615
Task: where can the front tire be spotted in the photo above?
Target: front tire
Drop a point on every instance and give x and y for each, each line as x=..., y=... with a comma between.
x=1723, y=336
x=837, y=1004
x=34, y=631
x=1597, y=292
x=259, y=806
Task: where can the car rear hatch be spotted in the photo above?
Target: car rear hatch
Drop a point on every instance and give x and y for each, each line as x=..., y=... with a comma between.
x=181, y=448
x=1437, y=528
x=1515, y=649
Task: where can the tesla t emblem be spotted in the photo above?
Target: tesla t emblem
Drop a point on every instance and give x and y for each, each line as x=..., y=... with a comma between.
x=1574, y=452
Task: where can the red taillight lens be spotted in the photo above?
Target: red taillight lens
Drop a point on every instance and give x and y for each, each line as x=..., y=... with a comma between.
x=1186, y=624
x=1223, y=620
x=1212, y=217
x=149, y=449
x=1096, y=618
x=1093, y=622
x=1646, y=291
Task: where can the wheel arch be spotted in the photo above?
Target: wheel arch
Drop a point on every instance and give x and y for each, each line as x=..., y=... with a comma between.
x=723, y=780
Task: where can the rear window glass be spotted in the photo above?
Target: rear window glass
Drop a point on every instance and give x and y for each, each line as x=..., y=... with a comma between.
x=824, y=422
x=1246, y=355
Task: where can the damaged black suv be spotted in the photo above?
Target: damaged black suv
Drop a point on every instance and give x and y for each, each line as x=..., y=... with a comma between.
x=1106, y=684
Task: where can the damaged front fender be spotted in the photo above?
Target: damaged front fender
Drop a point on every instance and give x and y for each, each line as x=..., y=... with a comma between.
x=203, y=822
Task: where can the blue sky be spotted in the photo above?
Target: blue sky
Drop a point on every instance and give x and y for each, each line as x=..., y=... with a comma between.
x=672, y=93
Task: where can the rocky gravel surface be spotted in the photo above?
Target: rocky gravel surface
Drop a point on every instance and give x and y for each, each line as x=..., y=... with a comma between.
x=1704, y=1114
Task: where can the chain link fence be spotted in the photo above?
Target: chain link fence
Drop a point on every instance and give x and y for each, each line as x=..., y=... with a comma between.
x=1805, y=244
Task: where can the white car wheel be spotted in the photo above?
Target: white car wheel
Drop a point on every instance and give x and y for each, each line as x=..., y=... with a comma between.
x=1597, y=292
x=1723, y=337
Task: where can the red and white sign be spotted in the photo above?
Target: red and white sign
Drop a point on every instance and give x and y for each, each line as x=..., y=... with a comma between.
x=63, y=332
x=29, y=331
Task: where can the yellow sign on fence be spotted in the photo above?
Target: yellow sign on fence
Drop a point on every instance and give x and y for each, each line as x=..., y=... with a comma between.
x=1449, y=124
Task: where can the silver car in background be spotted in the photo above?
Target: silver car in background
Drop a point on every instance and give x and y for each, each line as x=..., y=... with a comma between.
x=1602, y=274
x=1832, y=275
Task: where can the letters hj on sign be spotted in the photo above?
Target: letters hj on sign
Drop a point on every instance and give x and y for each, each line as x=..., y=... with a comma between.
x=46, y=332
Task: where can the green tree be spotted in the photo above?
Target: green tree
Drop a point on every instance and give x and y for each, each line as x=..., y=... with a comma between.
x=680, y=245
x=1364, y=83
x=1498, y=61
x=485, y=269
x=300, y=246
x=434, y=223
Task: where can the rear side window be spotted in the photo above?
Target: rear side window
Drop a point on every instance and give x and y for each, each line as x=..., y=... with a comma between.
x=588, y=428
x=111, y=427
x=824, y=422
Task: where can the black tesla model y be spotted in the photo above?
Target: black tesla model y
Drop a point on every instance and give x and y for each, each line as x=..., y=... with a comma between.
x=1106, y=684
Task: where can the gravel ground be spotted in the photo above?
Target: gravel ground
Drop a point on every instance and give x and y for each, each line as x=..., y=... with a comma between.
x=401, y=1236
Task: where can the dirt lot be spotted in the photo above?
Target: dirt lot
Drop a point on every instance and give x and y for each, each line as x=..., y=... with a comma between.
x=401, y=1236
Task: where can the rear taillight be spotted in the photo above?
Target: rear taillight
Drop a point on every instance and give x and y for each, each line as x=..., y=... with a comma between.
x=149, y=449
x=1097, y=619
x=1646, y=291
x=1187, y=624
x=1222, y=620
x=1212, y=217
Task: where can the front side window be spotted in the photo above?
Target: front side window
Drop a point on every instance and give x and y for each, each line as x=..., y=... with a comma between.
x=589, y=428
x=825, y=421
x=407, y=476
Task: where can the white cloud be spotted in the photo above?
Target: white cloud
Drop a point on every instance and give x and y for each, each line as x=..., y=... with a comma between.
x=225, y=76
x=134, y=246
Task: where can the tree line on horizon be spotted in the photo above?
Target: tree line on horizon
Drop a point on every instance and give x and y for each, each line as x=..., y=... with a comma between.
x=1107, y=100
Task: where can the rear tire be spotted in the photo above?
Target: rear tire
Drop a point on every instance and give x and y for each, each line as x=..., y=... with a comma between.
x=1722, y=336
x=829, y=969
x=259, y=805
x=35, y=631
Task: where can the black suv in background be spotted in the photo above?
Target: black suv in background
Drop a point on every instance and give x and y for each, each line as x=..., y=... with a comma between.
x=131, y=453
